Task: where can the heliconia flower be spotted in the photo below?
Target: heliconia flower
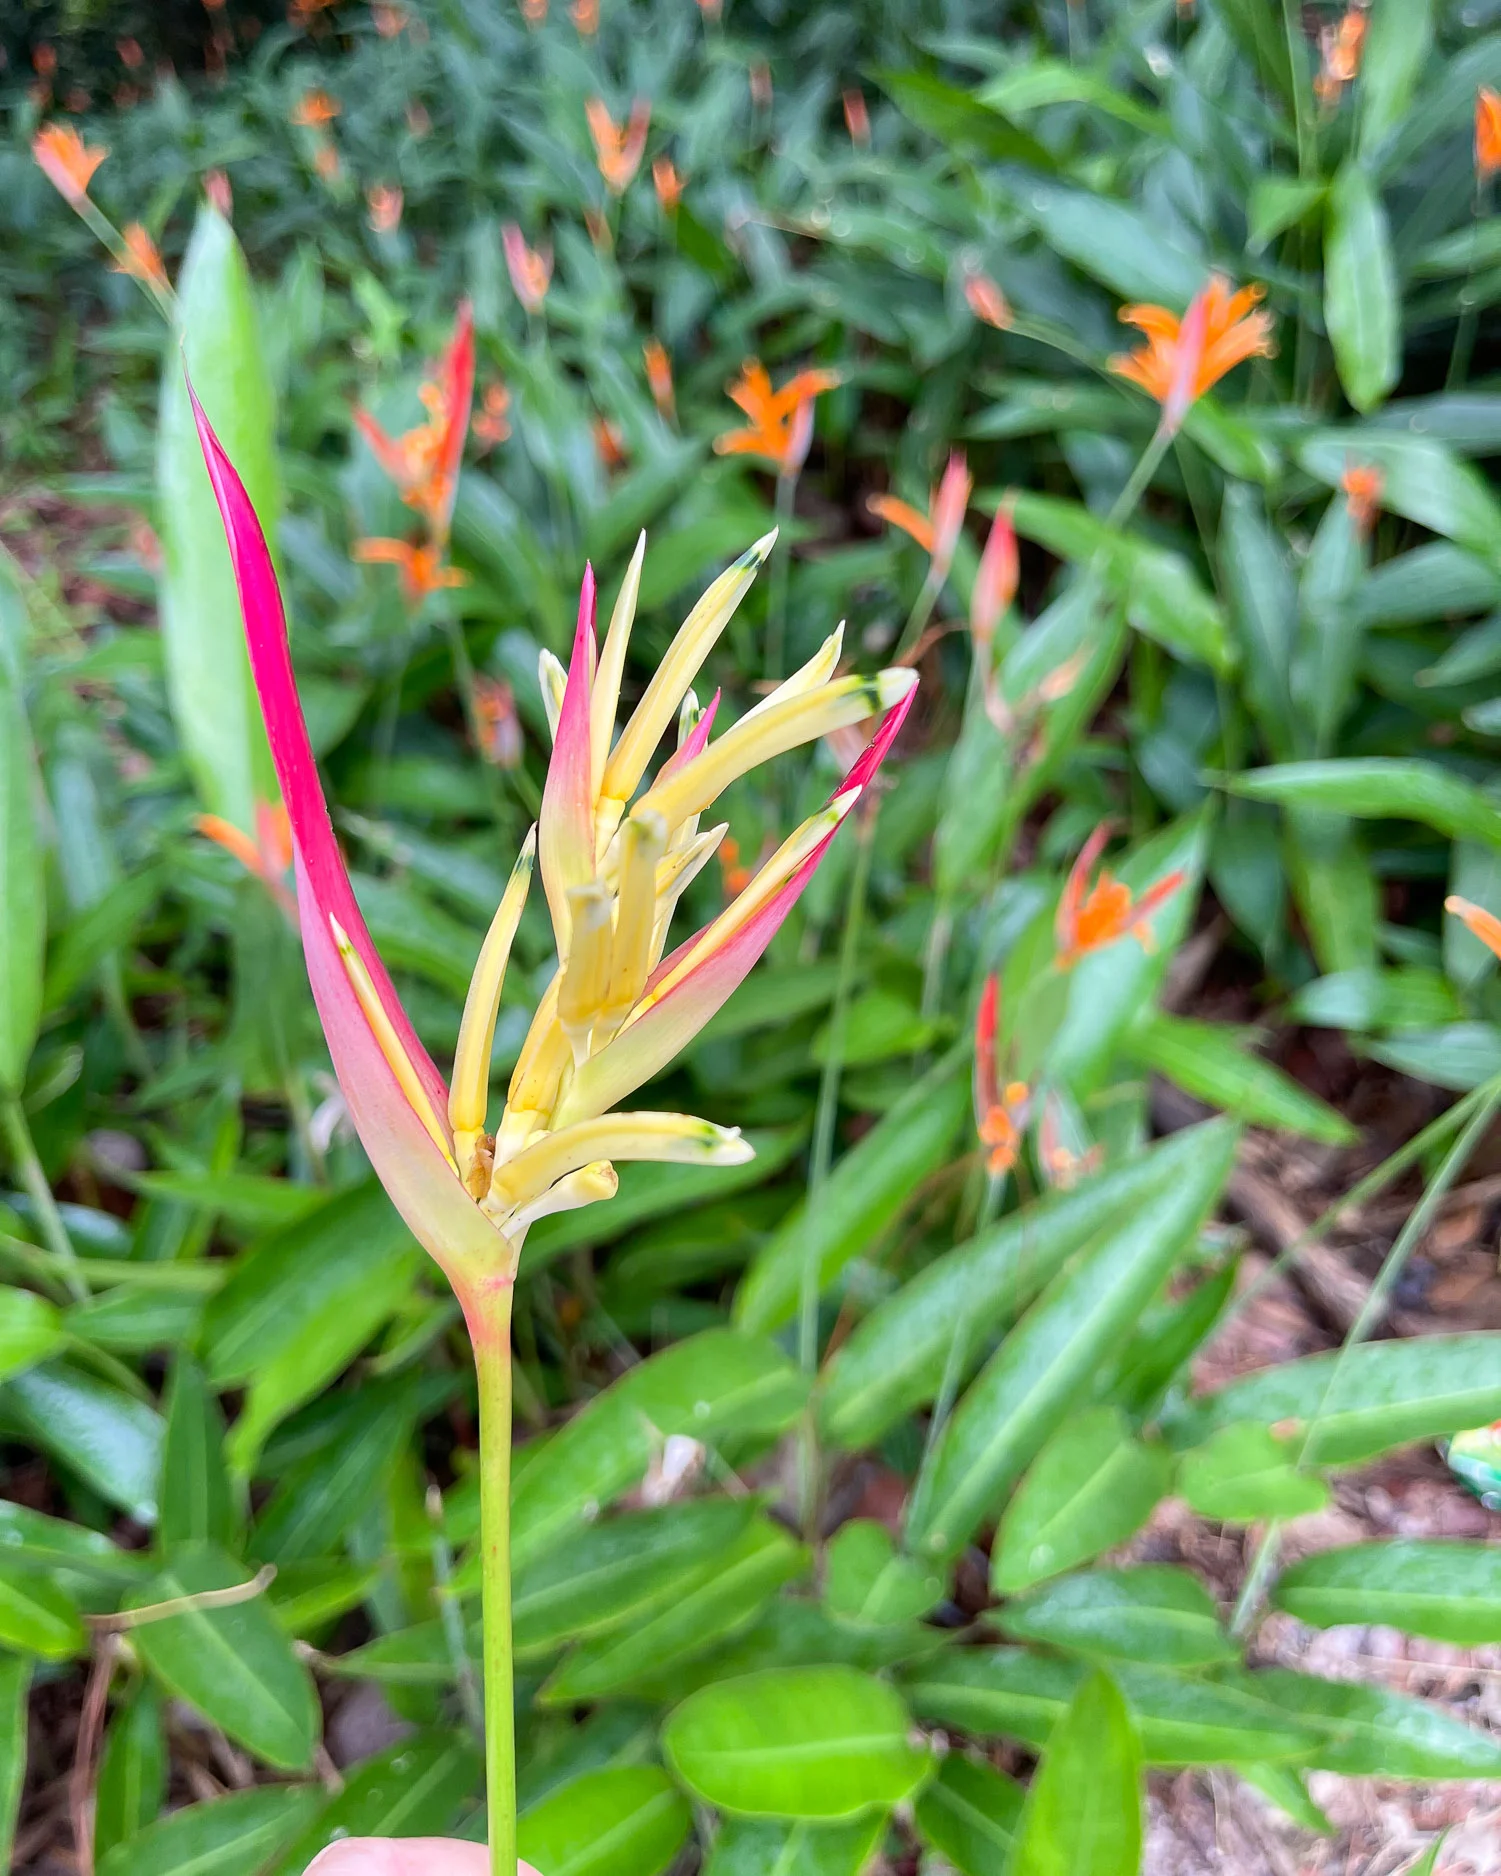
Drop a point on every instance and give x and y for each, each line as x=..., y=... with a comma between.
x=499, y=726
x=986, y=301
x=780, y=421
x=390, y=19
x=267, y=858
x=493, y=424
x=315, y=110
x=618, y=1010
x=67, y=161
x=534, y=12
x=1001, y=1114
x=996, y=581
x=609, y=444
x=424, y=462
x=1182, y=359
x=142, y=260
x=422, y=567
x=709, y=8
x=217, y=190
x=736, y=877
x=530, y=268
x=1340, y=49
x=1063, y=1164
x=659, y=377
x=1487, y=132
x=857, y=118
x=585, y=16
x=936, y=532
x=384, y=201
x=1485, y=925
x=618, y=148
x=1089, y=918
x=1362, y=484
x=668, y=184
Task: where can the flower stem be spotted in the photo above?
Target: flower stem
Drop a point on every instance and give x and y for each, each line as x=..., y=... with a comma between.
x=49, y=1220
x=490, y=1331
x=776, y=624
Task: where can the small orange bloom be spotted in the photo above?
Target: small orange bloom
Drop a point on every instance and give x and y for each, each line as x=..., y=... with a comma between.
x=585, y=16
x=268, y=857
x=986, y=301
x=422, y=569
x=857, y=118
x=1001, y=1114
x=1340, y=49
x=67, y=161
x=385, y=202
x=424, y=462
x=997, y=579
x=618, y=148
x=1487, y=132
x=141, y=260
x=1089, y=918
x=937, y=531
x=1183, y=358
x=1485, y=925
x=780, y=426
x=534, y=11
x=609, y=443
x=668, y=184
x=326, y=162
x=1063, y=1167
x=736, y=876
x=315, y=110
x=499, y=726
x=1362, y=484
x=390, y=19
x=709, y=8
x=530, y=268
x=44, y=61
x=216, y=188
x=659, y=376
x=493, y=424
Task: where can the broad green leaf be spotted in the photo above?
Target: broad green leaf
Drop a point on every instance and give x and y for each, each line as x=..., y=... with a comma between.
x=867, y=1581
x=1396, y=52
x=717, y=1604
x=1285, y=1788
x=1154, y=1613
x=1280, y=61
x=1092, y=1485
x=31, y=1540
x=1459, y=1056
x=1390, y=1394
x=15, y=1685
x=23, y=930
x=1362, y=307
x=31, y=1329
x=231, y=1836
x=1040, y=82
x=306, y=1597
x=554, y=1752
x=796, y=1742
x=764, y=1847
x=38, y=1617
x=969, y=1813
x=1112, y=242
x=1330, y=629
x=1379, y=788
x=232, y=1663
x=132, y=1771
x=1333, y=887
x=1083, y=1811
x=628, y=1822
x=415, y=1789
x=1420, y=480
x=1436, y=581
x=1398, y=999
x=198, y=1502
x=1050, y=1357
x=208, y=674
x=1263, y=605
x=317, y=1500
x=1370, y=1731
x=961, y=120
x=1244, y=1474
x=1205, y=1060
x=896, y=1359
x=863, y=1195
x=109, y=1438
x=1443, y=1588
x=1277, y=203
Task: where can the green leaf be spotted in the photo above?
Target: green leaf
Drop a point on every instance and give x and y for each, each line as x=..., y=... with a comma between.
x=631, y=1821
x=867, y=1581
x=1090, y=1488
x=415, y=1789
x=198, y=1503
x=1379, y=788
x=960, y=120
x=230, y=1836
x=15, y=1684
x=1244, y=1474
x=1083, y=1811
x=1362, y=308
x=109, y=1438
x=863, y=1195
x=969, y=1813
x=31, y=1329
x=1263, y=605
x=1362, y=1000
x=1390, y=1394
x=132, y=1772
x=1393, y=59
x=1002, y=1422
x=208, y=673
x=1286, y=1789
x=38, y=1617
x=31, y=1540
x=1205, y=1061
x=796, y=1742
x=232, y=1663
x=23, y=930
x=1040, y=82
x=1370, y=1732
x=1421, y=480
x=895, y=1360
x=1154, y=1613
x=1112, y=242
x=724, y=1600
x=764, y=1847
x=1277, y=203
x=1443, y=1588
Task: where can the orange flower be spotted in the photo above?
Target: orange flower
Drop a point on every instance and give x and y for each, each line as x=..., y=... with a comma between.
x=736, y=876
x=1062, y=1167
x=326, y=162
x=390, y=19
x=315, y=110
x=857, y=118
x=780, y=426
x=659, y=376
x=1485, y=925
x=216, y=188
x=585, y=16
x=609, y=443
x=1362, y=484
x=1089, y=920
x=142, y=261
x=1000, y=1113
x=668, y=183
x=67, y=161
x=1340, y=48
x=493, y=424
x=530, y=268
x=1183, y=358
x=1487, y=132
x=534, y=11
x=499, y=726
x=422, y=569
x=937, y=532
x=618, y=149
x=424, y=462
x=997, y=579
x=709, y=9
x=986, y=301
x=268, y=857
x=385, y=201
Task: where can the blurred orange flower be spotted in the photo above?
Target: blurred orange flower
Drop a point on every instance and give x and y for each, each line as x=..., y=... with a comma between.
x=216, y=188
x=385, y=203
x=67, y=161
x=424, y=462
x=937, y=531
x=609, y=443
x=1340, y=48
x=315, y=110
x=268, y=857
x=668, y=184
x=733, y=872
x=1362, y=484
x=1183, y=358
x=659, y=376
x=986, y=301
x=422, y=569
x=131, y=55
x=326, y=162
x=1485, y=925
x=618, y=148
x=857, y=118
x=1000, y=1113
x=997, y=579
x=1487, y=132
x=493, y=424
x=585, y=16
x=141, y=260
x=499, y=726
x=530, y=268
x=1089, y=918
x=534, y=11
x=779, y=427
x=390, y=19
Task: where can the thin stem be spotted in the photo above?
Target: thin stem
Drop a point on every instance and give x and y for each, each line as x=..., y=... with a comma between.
x=776, y=624
x=917, y=619
x=1257, y=1578
x=490, y=1331
x=33, y=1177
x=1124, y=505
x=1464, y=331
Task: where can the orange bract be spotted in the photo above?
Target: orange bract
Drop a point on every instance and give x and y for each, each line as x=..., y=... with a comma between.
x=268, y=857
x=1001, y=1114
x=857, y=118
x=1089, y=918
x=1485, y=925
x=66, y=160
x=779, y=426
x=585, y=16
x=1487, y=132
x=1340, y=48
x=1170, y=361
x=986, y=301
x=422, y=569
x=493, y=424
x=315, y=110
x=530, y=268
x=668, y=184
x=384, y=201
x=618, y=148
x=937, y=531
x=659, y=376
x=141, y=260
x=1362, y=484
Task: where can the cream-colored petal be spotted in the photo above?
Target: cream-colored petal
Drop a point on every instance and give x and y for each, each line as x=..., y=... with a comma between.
x=586, y=975
x=552, y=680
x=605, y=698
x=646, y=1136
x=816, y=672
x=469, y=1091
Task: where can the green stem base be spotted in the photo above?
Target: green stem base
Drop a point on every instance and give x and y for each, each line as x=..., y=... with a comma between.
x=489, y=1319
